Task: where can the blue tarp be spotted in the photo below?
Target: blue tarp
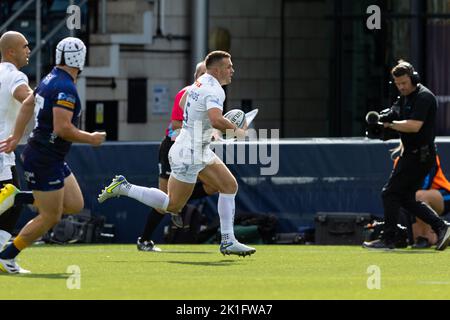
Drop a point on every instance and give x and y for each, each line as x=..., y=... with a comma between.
x=313, y=175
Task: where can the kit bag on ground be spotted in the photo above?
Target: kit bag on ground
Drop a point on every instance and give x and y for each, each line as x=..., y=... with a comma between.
x=249, y=227
x=194, y=221
x=80, y=229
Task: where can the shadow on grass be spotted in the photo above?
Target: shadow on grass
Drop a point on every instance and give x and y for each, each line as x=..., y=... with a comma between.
x=129, y=261
x=54, y=276
x=211, y=263
x=416, y=251
x=150, y=253
x=187, y=252
x=406, y=251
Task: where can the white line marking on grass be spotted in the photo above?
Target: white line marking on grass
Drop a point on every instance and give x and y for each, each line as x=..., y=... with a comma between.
x=434, y=282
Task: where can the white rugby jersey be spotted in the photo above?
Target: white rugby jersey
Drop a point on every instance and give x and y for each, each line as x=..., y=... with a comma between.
x=10, y=79
x=206, y=93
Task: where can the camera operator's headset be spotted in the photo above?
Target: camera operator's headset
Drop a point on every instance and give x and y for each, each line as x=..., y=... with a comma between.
x=413, y=74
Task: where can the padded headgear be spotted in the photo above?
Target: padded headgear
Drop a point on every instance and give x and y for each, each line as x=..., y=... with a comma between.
x=71, y=52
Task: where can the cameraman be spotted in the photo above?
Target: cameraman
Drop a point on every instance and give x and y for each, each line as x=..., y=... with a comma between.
x=413, y=117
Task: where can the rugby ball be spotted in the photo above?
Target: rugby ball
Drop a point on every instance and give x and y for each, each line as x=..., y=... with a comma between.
x=236, y=117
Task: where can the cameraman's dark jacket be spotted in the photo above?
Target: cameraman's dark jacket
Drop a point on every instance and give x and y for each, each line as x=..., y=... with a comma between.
x=421, y=105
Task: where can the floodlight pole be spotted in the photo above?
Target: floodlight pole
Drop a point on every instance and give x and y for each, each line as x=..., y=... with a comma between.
x=199, y=42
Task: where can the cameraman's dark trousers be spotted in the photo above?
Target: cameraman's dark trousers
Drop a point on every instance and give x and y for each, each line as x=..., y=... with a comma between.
x=400, y=191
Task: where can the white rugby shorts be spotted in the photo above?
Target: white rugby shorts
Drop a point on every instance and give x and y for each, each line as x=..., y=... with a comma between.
x=186, y=162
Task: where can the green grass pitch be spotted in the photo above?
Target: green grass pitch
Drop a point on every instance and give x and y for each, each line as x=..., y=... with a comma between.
x=201, y=272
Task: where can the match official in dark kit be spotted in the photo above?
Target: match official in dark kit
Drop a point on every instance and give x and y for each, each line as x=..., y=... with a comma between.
x=413, y=116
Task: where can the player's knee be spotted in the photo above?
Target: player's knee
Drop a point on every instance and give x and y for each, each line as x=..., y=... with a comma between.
x=51, y=220
x=174, y=207
x=74, y=208
x=210, y=189
x=230, y=187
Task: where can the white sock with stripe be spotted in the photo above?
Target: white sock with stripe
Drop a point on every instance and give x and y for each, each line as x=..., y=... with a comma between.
x=226, y=208
x=151, y=197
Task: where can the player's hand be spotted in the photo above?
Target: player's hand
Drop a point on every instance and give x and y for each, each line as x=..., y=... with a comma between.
x=9, y=145
x=240, y=133
x=98, y=138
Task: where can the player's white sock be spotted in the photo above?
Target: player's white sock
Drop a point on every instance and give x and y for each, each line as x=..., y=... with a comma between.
x=226, y=207
x=4, y=238
x=152, y=197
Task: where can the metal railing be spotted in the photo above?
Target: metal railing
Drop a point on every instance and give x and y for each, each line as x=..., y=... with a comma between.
x=15, y=15
x=39, y=42
x=49, y=35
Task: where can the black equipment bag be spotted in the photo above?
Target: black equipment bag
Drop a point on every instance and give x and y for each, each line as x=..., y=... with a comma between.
x=341, y=228
x=194, y=221
x=80, y=229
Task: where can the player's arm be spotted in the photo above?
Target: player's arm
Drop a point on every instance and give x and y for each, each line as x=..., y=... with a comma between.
x=177, y=112
x=24, y=116
x=183, y=100
x=63, y=127
x=177, y=109
x=22, y=92
x=176, y=124
x=218, y=121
